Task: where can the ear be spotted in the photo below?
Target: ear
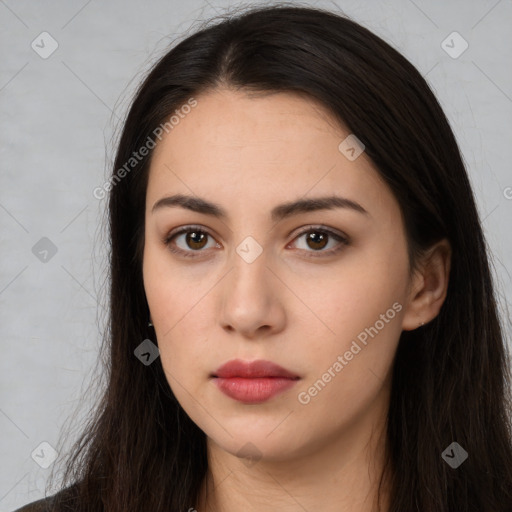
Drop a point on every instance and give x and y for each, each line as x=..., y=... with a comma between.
x=429, y=286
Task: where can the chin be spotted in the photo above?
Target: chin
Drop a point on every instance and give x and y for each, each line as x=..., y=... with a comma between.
x=264, y=443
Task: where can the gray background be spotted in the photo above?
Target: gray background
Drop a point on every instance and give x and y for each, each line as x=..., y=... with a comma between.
x=58, y=120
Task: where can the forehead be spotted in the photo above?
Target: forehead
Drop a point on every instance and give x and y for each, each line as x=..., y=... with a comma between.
x=229, y=119
x=244, y=147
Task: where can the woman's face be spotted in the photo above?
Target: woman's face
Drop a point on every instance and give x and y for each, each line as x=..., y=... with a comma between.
x=320, y=292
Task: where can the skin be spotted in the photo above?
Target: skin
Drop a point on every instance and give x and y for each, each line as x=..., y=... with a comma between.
x=249, y=154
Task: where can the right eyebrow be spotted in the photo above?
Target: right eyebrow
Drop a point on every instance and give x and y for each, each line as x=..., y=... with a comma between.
x=279, y=212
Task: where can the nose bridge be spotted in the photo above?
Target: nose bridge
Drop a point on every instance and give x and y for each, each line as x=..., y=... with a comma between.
x=249, y=297
x=250, y=260
x=251, y=251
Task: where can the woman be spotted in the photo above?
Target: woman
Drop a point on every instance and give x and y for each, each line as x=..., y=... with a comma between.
x=290, y=211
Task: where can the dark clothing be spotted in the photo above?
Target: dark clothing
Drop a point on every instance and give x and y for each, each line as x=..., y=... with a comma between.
x=47, y=504
x=42, y=505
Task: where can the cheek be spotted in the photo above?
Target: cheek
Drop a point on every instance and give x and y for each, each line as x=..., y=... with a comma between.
x=171, y=296
x=364, y=288
x=350, y=370
x=181, y=353
x=362, y=309
x=183, y=334
x=167, y=303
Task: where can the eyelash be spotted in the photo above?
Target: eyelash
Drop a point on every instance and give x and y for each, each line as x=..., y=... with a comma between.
x=310, y=229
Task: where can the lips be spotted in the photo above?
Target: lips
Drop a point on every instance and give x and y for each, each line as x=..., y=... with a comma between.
x=253, y=382
x=252, y=369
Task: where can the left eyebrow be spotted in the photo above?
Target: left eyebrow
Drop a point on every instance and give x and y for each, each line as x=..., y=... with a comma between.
x=278, y=213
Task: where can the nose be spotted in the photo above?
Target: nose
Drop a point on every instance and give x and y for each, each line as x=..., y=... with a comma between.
x=252, y=299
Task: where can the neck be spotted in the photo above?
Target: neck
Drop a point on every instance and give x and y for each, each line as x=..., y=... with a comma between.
x=342, y=475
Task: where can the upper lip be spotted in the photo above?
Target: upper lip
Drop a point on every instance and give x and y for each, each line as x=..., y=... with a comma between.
x=252, y=369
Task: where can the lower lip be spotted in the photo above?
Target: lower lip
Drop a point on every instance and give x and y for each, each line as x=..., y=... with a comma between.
x=253, y=390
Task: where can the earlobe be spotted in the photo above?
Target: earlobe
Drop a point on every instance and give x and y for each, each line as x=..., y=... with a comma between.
x=430, y=287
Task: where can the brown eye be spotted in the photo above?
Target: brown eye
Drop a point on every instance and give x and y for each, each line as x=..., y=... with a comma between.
x=191, y=240
x=187, y=241
x=317, y=239
x=196, y=239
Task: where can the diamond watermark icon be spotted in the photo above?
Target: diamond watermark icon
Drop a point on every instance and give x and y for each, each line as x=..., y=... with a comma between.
x=44, y=45
x=147, y=352
x=44, y=454
x=351, y=147
x=249, y=249
x=454, y=455
x=454, y=45
x=44, y=249
x=249, y=454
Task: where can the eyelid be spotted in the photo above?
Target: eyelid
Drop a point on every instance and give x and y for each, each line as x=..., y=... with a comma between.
x=311, y=227
x=183, y=230
x=341, y=238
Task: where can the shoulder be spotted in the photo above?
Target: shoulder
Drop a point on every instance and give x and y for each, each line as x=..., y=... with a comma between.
x=47, y=504
x=42, y=505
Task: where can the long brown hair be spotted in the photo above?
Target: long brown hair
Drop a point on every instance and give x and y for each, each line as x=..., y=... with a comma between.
x=139, y=451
